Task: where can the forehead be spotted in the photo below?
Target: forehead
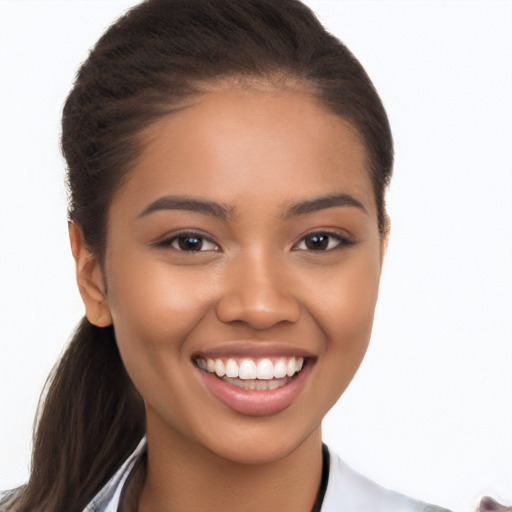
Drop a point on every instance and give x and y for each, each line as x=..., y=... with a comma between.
x=243, y=146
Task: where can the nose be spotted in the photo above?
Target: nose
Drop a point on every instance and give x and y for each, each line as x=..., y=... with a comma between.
x=259, y=294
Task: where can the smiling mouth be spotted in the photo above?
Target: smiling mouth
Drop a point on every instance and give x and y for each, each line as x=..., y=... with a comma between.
x=254, y=374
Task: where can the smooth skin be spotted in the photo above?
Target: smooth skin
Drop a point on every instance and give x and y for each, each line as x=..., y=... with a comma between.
x=268, y=263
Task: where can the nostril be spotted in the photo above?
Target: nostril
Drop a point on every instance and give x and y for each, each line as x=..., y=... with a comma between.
x=259, y=313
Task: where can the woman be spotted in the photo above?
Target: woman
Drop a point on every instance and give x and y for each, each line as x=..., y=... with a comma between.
x=227, y=168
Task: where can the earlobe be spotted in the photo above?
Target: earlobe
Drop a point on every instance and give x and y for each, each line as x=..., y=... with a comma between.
x=90, y=279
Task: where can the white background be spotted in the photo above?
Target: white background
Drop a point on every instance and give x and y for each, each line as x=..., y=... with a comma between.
x=430, y=412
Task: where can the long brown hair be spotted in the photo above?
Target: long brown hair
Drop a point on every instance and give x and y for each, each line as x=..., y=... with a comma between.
x=147, y=64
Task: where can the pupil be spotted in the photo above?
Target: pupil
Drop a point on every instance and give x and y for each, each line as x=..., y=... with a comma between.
x=190, y=243
x=316, y=242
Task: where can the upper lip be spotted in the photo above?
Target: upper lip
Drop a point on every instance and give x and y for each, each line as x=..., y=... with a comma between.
x=252, y=349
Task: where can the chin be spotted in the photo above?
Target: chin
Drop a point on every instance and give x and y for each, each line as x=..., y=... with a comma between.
x=262, y=443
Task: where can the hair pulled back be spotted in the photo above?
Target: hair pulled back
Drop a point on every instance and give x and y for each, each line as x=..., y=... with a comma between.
x=163, y=52
x=149, y=63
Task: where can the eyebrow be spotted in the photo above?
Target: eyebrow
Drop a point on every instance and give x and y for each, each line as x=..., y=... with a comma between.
x=223, y=212
x=322, y=203
x=203, y=206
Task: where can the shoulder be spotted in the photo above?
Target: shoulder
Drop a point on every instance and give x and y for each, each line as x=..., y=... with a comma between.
x=348, y=490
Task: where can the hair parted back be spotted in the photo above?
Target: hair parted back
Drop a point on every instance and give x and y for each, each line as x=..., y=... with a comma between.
x=149, y=63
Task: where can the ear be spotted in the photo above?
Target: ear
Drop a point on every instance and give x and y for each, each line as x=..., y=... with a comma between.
x=90, y=279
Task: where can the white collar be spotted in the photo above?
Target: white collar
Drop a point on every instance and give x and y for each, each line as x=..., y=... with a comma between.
x=347, y=490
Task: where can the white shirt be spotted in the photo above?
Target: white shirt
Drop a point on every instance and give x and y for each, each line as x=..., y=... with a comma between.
x=347, y=491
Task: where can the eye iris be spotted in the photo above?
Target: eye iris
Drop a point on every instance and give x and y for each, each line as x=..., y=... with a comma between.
x=190, y=243
x=317, y=242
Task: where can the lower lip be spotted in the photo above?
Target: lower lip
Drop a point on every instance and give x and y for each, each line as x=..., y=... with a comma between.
x=253, y=402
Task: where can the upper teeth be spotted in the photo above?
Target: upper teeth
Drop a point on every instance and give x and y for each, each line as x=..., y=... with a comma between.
x=246, y=368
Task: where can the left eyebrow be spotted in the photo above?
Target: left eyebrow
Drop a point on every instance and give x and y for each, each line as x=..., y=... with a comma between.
x=322, y=203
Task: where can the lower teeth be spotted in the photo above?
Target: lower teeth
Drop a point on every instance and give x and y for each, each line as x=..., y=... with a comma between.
x=256, y=383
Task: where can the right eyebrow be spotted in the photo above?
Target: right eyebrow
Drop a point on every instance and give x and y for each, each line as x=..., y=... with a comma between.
x=211, y=208
x=324, y=202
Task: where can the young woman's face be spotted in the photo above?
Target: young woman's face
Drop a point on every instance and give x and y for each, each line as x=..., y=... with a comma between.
x=245, y=236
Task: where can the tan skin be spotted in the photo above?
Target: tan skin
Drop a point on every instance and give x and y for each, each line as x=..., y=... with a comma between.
x=256, y=276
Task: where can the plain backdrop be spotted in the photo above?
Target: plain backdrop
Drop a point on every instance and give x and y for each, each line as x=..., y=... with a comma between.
x=430, y=411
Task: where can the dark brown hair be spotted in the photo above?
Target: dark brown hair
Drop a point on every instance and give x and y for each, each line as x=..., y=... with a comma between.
x=147, y=65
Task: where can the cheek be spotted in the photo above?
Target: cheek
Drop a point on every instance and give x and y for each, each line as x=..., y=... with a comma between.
x=346, y=318
x=347, y=299
x=154, y=297
x=154, y=308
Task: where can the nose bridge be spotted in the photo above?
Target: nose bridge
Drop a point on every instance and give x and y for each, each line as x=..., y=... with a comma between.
x=258, y=291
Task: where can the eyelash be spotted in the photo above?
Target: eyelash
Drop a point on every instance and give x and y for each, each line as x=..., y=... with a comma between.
x=339, y=241
x=169, y=242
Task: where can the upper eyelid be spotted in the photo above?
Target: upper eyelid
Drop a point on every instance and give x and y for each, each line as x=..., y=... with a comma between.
x=179, y=232
x=326, y=231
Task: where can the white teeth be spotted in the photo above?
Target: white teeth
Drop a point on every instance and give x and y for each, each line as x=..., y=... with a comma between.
x=280, y=369
x=231, y=368
x=290, y=367
x=220, y=369
x=247, y=370
x=275, y=383
x=260, y=384
x=265, y=369
x=257, y=384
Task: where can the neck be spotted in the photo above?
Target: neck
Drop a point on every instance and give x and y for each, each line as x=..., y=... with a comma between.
x=183, y=476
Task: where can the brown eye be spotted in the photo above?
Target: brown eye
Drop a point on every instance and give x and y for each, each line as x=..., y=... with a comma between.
x=189, y=243
x=317, y=241
x=322, y=241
